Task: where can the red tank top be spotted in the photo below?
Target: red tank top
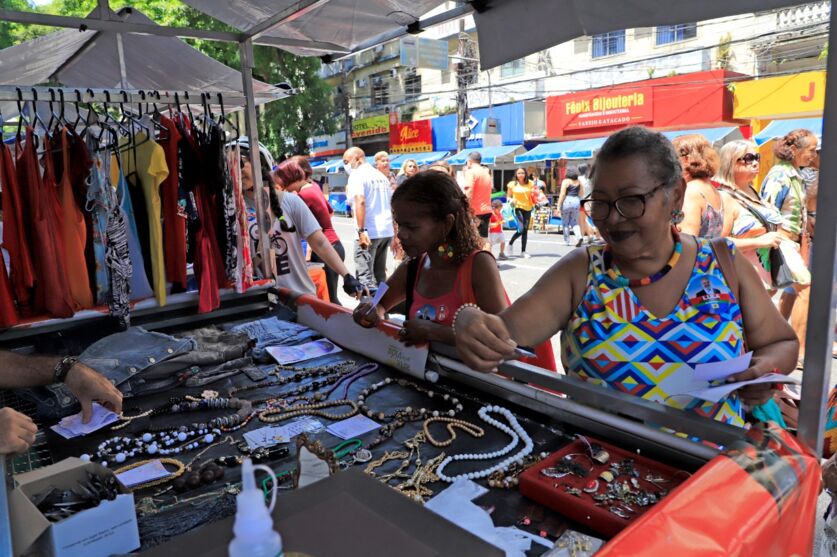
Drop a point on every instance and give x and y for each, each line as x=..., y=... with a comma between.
x=441, y=308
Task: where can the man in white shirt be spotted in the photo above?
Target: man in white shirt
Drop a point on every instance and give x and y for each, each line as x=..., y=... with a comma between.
x=370, y=193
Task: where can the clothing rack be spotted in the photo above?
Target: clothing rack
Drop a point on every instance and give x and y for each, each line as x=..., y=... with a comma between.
x=72, y=95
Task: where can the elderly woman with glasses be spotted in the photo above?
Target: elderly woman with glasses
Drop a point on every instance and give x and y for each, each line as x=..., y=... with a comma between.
x=754, y=223
x=640, y=311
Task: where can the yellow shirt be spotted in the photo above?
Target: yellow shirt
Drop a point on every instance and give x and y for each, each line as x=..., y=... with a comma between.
x=151, y=167
x=521, y=194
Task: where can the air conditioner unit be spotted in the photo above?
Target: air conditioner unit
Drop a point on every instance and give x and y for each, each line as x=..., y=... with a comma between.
x=393, y=72
x=361, y=83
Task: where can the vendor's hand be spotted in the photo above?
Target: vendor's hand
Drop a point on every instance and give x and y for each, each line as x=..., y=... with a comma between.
x=482, y=340
x=367, y=316
x=753, y=395
x=416, y=331
x=88, y=385
x=363, y=240
x=353, y=287
x=771, y=240
x=17, y=431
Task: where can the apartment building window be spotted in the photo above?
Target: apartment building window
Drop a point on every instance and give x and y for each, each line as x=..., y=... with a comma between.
x=608, y=44
x=667, y=34
x=380, y=89
x=511, y=69
x=412, y=84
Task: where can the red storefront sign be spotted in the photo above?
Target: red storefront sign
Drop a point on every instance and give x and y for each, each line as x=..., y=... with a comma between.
x=411, y=137
x=694, y=100
x=607, y=107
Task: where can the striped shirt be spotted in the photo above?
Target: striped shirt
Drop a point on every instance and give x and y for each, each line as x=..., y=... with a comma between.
x=783, y=187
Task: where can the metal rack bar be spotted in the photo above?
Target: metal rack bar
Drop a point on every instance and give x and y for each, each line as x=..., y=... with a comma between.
x=74, y=94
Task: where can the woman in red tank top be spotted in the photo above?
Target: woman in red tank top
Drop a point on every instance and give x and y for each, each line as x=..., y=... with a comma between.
x=436, y=229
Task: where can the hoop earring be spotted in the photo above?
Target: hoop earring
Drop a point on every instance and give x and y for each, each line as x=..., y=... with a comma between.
x=445, y=251
x=677, y=216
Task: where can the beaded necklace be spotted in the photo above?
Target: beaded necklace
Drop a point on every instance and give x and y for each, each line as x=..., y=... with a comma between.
x=179, y=405
x=616, y=275
x=402, y=416
x=162, y=443
x=332, y=373
x=517, y=434
x=316, y=409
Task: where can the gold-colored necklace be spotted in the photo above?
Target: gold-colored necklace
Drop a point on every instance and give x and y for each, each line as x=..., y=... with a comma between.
x=274, y=415
x=452, y=423
x=170, y=461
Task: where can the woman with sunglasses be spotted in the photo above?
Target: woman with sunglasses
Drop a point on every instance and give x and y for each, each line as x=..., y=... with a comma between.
x=754, y=223
x=640, y=311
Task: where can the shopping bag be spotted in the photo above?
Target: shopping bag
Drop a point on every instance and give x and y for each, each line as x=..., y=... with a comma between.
x=787, y=266
x=508, y=215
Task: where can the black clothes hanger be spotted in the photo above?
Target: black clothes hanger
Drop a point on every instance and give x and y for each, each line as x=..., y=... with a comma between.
x=227, y=121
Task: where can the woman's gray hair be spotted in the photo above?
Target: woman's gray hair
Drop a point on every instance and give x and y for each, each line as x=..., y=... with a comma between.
x=729, y=155
x=663, y=162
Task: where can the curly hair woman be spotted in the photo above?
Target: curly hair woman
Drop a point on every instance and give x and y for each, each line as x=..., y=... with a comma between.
x=703, y=207
x=446, y=267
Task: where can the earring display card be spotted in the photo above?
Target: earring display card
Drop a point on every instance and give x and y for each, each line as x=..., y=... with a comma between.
x=598, y=485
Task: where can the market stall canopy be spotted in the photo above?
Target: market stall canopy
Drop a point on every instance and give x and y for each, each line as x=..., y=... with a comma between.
x=318, y=27
x=422, y=159
x=714, y=135
x=490, y=155
x=91, y=59
x=550, y=22
x=780, y=128
x=574, y=149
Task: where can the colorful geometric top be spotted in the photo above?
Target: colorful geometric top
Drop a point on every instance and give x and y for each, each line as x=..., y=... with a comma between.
x=784, y=189
x=613, y=341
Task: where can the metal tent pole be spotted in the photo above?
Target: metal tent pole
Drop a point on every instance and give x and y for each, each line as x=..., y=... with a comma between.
x=820, y=335
x=251, y=126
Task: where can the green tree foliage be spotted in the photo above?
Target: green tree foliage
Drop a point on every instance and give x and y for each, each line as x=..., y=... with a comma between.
x=284, y=125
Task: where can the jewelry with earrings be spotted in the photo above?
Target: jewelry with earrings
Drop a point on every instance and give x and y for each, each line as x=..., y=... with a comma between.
x=445, y=251
x=677, y=216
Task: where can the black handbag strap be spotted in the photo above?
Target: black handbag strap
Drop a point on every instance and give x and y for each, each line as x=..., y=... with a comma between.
x=412, y=273
x=749, y=205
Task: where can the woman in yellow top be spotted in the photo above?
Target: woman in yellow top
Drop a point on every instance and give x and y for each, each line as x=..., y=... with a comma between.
x=521, y=192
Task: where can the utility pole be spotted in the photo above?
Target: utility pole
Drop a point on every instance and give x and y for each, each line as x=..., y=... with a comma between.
x=467, y=70
x=347, y=115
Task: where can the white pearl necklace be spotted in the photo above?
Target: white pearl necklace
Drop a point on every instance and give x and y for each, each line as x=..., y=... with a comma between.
x=516, y=432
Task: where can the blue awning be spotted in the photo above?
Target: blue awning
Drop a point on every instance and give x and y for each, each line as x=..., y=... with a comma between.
x=712, y=134
x=573, y=149
x=490, y=155
x=332, y=167
x=780, y=128
x=422, y=159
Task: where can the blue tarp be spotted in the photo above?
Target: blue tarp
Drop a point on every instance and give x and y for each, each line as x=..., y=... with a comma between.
x=575, y=149
x=489, y=154
x=780, y=128
x=421, y=159
x=712, y=134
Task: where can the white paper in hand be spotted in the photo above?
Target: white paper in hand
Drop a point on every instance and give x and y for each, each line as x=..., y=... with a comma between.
x=71, y=426
x=721, y=370
x=715, y=394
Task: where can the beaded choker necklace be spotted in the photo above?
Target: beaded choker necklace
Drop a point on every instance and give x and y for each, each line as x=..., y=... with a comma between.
x=623, y=281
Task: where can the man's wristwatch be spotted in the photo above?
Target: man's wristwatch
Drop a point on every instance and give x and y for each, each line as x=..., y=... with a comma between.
x=361, y=231
x=62, y=368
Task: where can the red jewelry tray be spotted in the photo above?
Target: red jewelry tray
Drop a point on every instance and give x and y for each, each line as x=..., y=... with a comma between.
x=551, y=492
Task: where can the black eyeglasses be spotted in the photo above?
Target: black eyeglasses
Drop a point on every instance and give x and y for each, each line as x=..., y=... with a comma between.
x=750, y=158
x=629, y=206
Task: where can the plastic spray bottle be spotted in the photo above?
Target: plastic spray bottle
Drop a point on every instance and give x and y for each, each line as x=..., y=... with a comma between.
x=253, y=527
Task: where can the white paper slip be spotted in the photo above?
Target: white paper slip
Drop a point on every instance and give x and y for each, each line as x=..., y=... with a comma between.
x=715, y=394
x=352, y=427
x=308, y=351
x=722, y=370
x=148, y=472
x=71, y=426
x=274, y=435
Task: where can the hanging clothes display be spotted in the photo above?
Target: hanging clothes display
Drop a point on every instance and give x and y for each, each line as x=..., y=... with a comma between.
x=146, y=160
x=73, y=229
x=52, y=289
x=15, y=238
x=140, y=287
x=174, y=215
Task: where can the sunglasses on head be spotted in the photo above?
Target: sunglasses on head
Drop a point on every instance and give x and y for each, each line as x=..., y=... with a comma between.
x=749, y=158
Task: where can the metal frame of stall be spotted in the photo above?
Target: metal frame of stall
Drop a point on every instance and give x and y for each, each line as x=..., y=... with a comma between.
x=818, y=355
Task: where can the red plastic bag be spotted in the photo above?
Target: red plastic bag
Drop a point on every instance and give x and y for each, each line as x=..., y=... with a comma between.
x=758, y=498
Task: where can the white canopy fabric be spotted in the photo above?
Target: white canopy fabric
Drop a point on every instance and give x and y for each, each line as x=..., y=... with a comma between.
x=347, y=24
x=550, y=22
x=83, y=59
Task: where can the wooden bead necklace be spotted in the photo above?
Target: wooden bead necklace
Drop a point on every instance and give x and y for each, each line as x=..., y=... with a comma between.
x=316, y=409
x=452, y=423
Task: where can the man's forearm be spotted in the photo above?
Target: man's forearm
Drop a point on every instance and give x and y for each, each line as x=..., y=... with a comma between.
x=18, y=371
x=360, y=211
